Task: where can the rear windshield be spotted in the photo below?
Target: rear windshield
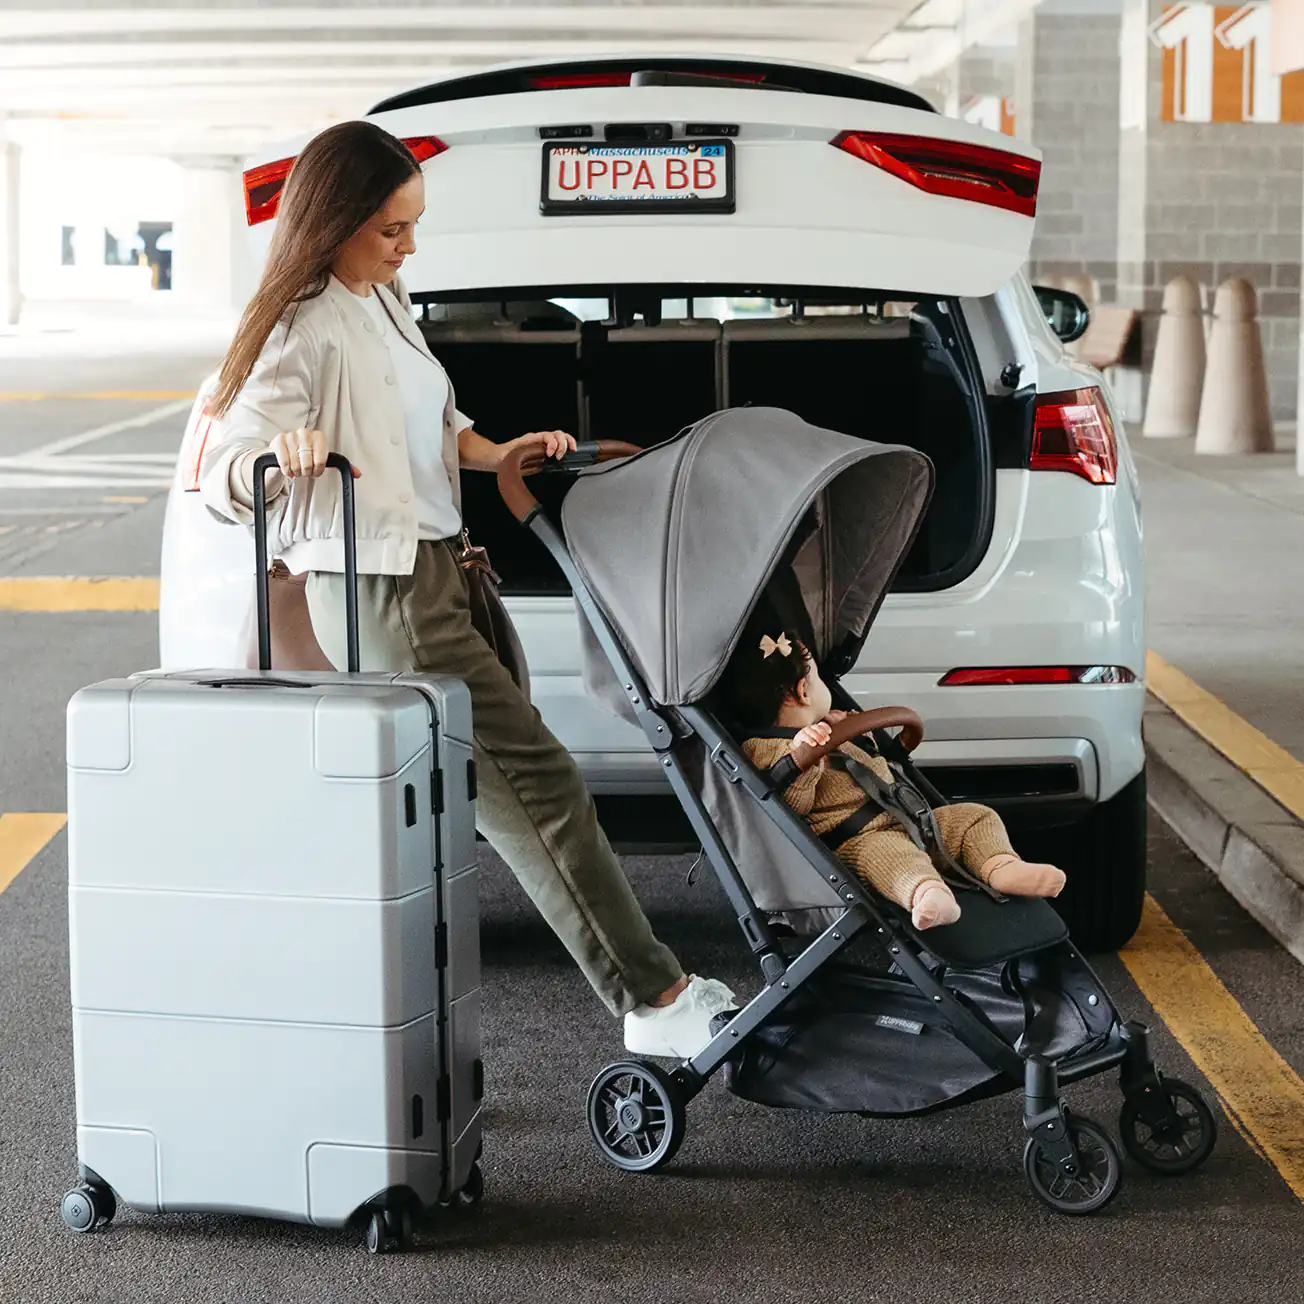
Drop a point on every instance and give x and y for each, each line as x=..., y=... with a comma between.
x=640, y=366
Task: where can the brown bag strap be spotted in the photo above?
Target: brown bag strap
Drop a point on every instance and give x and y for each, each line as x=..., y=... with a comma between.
x=472, y=558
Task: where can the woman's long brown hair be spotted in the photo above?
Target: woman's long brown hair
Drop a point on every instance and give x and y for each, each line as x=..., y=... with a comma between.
x=340, y=181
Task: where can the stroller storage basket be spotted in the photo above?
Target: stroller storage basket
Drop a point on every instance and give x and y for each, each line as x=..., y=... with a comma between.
x=857, y=1041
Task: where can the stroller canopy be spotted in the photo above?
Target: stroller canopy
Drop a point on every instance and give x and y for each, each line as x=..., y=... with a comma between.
x=678, y=544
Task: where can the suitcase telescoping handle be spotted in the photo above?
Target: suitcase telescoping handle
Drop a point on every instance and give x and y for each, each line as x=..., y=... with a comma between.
x=263, y=463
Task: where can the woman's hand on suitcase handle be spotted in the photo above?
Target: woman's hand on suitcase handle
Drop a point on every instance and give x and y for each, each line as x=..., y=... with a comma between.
x=302, y=452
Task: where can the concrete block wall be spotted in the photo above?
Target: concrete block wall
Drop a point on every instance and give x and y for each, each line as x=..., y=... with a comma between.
x=1209, y=201
x=1066, y=103
x=986, y=70
x=1134, y=201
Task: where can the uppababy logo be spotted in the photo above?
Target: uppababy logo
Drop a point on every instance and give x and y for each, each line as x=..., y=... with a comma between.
x=901, y=1025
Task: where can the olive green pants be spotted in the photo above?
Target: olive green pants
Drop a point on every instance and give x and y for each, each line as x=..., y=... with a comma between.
x=531, y=805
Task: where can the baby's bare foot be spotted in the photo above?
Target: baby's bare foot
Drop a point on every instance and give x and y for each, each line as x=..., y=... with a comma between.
x=932, y=904
x=1017, y=877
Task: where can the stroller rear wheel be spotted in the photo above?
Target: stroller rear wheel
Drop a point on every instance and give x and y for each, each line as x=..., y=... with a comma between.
x=1093, y=1181
x=1177, y=1144
x=636, y=1116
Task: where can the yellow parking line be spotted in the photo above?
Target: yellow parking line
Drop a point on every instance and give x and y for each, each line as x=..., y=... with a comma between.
x=32, y=396
x=21, y=837
x=79, y=593
x=1272, y=767
x=1261, y=1092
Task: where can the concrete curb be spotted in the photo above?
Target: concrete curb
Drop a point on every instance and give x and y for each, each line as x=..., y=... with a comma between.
x=1254, y=845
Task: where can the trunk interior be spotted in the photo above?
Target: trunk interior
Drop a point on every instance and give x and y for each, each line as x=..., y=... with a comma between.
x=892, y=372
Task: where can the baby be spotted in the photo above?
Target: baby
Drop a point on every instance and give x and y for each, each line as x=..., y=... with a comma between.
x=776, y=686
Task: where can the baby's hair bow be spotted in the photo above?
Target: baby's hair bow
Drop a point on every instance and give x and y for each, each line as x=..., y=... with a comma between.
x=771, y=645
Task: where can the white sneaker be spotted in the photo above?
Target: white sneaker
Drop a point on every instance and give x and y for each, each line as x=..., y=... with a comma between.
x=680, y=1029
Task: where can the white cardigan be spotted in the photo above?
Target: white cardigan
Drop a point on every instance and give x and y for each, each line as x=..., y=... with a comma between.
x=325, y=366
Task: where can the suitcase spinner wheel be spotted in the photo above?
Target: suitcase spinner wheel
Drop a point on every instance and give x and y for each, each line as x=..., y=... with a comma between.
x=473, y=1191
x=389, y=1229
x=88, y=1207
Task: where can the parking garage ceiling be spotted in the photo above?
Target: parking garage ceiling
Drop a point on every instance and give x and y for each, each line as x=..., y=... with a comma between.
x=227, y=76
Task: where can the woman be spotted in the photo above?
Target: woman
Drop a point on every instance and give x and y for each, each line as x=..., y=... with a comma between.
x=327, y=358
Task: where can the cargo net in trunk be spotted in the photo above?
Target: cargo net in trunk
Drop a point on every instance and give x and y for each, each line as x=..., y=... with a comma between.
x=641, y=370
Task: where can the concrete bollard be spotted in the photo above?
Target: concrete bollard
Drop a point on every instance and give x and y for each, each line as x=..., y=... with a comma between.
x=1177, y=373
x=1234, y=412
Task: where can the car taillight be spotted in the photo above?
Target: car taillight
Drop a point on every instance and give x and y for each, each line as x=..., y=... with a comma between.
x=1072, y=431
x=424, y=147
x=262, y=187
x=263, y=184
x=951, y=167
x=1039, y=675
x=571, y=81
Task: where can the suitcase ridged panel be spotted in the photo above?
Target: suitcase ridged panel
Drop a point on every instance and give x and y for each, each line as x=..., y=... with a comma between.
x=223, y=956
x=236, y=1106
x=222, y=795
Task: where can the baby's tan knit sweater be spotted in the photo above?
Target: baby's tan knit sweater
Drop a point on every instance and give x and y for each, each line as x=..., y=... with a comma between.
x=824, y=795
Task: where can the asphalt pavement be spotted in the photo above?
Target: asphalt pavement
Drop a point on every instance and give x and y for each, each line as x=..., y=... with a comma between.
x=759, y=1205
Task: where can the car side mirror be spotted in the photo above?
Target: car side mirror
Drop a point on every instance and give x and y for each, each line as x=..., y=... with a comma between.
x=1066, y=314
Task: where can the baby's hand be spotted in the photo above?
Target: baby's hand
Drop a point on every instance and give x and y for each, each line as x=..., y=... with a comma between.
x=836, y=717
x=813, y=735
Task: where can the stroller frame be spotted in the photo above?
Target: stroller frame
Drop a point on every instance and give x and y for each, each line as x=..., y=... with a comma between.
x=650, y=1106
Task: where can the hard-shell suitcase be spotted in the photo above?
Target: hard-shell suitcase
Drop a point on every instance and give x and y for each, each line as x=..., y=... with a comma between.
x=275, y=941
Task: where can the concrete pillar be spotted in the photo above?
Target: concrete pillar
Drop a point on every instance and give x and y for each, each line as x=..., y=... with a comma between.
x=1066, y=77
x=1210, y=196
x=1288, y=57
x=211, y=264
x=11, y=298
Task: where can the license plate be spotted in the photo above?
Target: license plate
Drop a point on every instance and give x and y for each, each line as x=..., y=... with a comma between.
x=692, y=176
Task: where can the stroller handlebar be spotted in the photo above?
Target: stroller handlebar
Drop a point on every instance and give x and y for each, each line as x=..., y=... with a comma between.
x=861, y=724
x=520, y=462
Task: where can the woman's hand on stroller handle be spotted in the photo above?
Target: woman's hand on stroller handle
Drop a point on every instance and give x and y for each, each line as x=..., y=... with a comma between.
x=540, y=446
x=859, y=725
x=522, y=458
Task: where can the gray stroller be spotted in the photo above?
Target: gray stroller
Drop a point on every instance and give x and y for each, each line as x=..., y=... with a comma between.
x=671, y=551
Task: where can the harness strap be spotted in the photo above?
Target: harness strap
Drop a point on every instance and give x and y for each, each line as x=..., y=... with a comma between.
x=912, y=810
x=855, y=823
x=902, y=800
x=783, y=772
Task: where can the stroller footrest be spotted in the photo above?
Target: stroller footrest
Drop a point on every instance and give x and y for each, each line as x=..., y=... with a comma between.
x=990, y=932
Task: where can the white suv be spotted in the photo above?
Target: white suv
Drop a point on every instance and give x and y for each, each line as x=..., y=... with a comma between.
x=620, y=247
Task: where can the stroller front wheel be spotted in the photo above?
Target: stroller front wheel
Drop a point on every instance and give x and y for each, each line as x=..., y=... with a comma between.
x=636, y=1116
x=1093, y=1181
x=1173, y=1145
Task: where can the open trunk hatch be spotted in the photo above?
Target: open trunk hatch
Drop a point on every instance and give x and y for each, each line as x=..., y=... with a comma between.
x=895, y=372
x=807, y=188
